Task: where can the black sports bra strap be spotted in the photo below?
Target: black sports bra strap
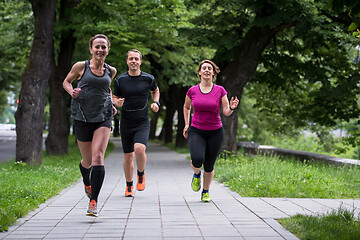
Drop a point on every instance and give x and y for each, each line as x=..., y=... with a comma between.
x=108, y=68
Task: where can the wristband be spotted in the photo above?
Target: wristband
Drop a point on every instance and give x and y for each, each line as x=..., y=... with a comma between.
x=157, y=102
x=231, y=108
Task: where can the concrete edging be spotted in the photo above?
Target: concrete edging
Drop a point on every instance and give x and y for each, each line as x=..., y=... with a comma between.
x=255, y=148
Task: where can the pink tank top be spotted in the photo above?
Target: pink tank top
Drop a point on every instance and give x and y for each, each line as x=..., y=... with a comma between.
x=206, y=107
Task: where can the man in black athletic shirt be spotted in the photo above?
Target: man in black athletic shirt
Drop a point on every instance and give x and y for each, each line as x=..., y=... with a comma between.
x=131, y=92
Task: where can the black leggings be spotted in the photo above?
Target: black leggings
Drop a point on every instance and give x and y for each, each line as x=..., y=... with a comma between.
x=205, y=147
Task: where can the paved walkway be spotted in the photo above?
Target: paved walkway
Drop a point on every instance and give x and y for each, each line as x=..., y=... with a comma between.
x=167, y=209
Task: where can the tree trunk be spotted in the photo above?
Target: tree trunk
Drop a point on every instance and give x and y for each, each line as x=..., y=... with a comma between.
x=230, y=126
x=156, y=67
x=168, y=124
x=59, y=124
x=180, y=93
x=167, y=129
x=57, y=139
x=153, y=124
x=238, y=73
x=30, y=113
x=116, y=131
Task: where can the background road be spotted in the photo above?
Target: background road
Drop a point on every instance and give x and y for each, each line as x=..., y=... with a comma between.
x=7, y=145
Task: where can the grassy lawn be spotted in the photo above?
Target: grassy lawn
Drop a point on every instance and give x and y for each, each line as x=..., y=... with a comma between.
x=340, y=224
x=23, y=187
x=264, y=176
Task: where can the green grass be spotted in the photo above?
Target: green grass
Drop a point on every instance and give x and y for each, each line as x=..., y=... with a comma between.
x=265, y=176
x=24, y=187
x=272, y=176
x=340, y=224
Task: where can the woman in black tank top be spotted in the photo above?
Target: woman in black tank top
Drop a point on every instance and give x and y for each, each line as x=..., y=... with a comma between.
x=92, y=109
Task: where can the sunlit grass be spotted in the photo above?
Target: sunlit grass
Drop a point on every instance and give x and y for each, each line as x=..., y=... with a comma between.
x=265, y=176
x=24, y=187
x=340, y=224
x=271, y=176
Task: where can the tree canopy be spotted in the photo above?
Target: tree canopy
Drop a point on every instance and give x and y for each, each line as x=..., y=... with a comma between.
x=16, y=34
x=296, y=58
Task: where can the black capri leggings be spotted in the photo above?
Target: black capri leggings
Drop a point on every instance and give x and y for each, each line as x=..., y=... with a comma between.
x=205, y=147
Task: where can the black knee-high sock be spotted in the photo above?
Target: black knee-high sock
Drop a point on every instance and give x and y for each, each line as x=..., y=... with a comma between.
x=97, y=179
x=85, y=172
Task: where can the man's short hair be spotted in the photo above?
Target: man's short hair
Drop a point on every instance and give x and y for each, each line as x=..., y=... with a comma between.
x=133, y=50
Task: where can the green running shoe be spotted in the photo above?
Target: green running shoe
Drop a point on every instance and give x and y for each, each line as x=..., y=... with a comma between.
x=195, y=183
x=205, y=197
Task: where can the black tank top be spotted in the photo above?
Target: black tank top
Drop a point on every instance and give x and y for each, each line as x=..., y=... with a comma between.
x=94, y=102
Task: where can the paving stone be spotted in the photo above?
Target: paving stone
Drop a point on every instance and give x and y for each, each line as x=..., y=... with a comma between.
x=166, y=209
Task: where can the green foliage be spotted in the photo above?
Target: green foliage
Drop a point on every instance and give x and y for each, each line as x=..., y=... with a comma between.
x=265, y=176
x=349, y=8
x=308, y=77
x=16, y=33
x=352, y=139
x=254, y=125
x=3, y=99
x=304, y=75
x=8, y=116
x=300, y=142
x=335, y=146
x=337, y=224
x=219, y=25
x=153, y=27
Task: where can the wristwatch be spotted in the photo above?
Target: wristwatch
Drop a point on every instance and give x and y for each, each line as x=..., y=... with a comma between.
x=158, y=103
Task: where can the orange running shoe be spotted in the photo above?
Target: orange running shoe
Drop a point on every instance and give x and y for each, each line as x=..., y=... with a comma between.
x=92, y=209
x=140, y=182
x=129, y=191
x=88, y=191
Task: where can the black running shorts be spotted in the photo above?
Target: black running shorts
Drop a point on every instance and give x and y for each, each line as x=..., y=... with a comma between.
x=132, y=135
x=84, y=131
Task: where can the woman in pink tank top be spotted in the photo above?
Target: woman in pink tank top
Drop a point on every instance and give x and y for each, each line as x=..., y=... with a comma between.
x=205, y=134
